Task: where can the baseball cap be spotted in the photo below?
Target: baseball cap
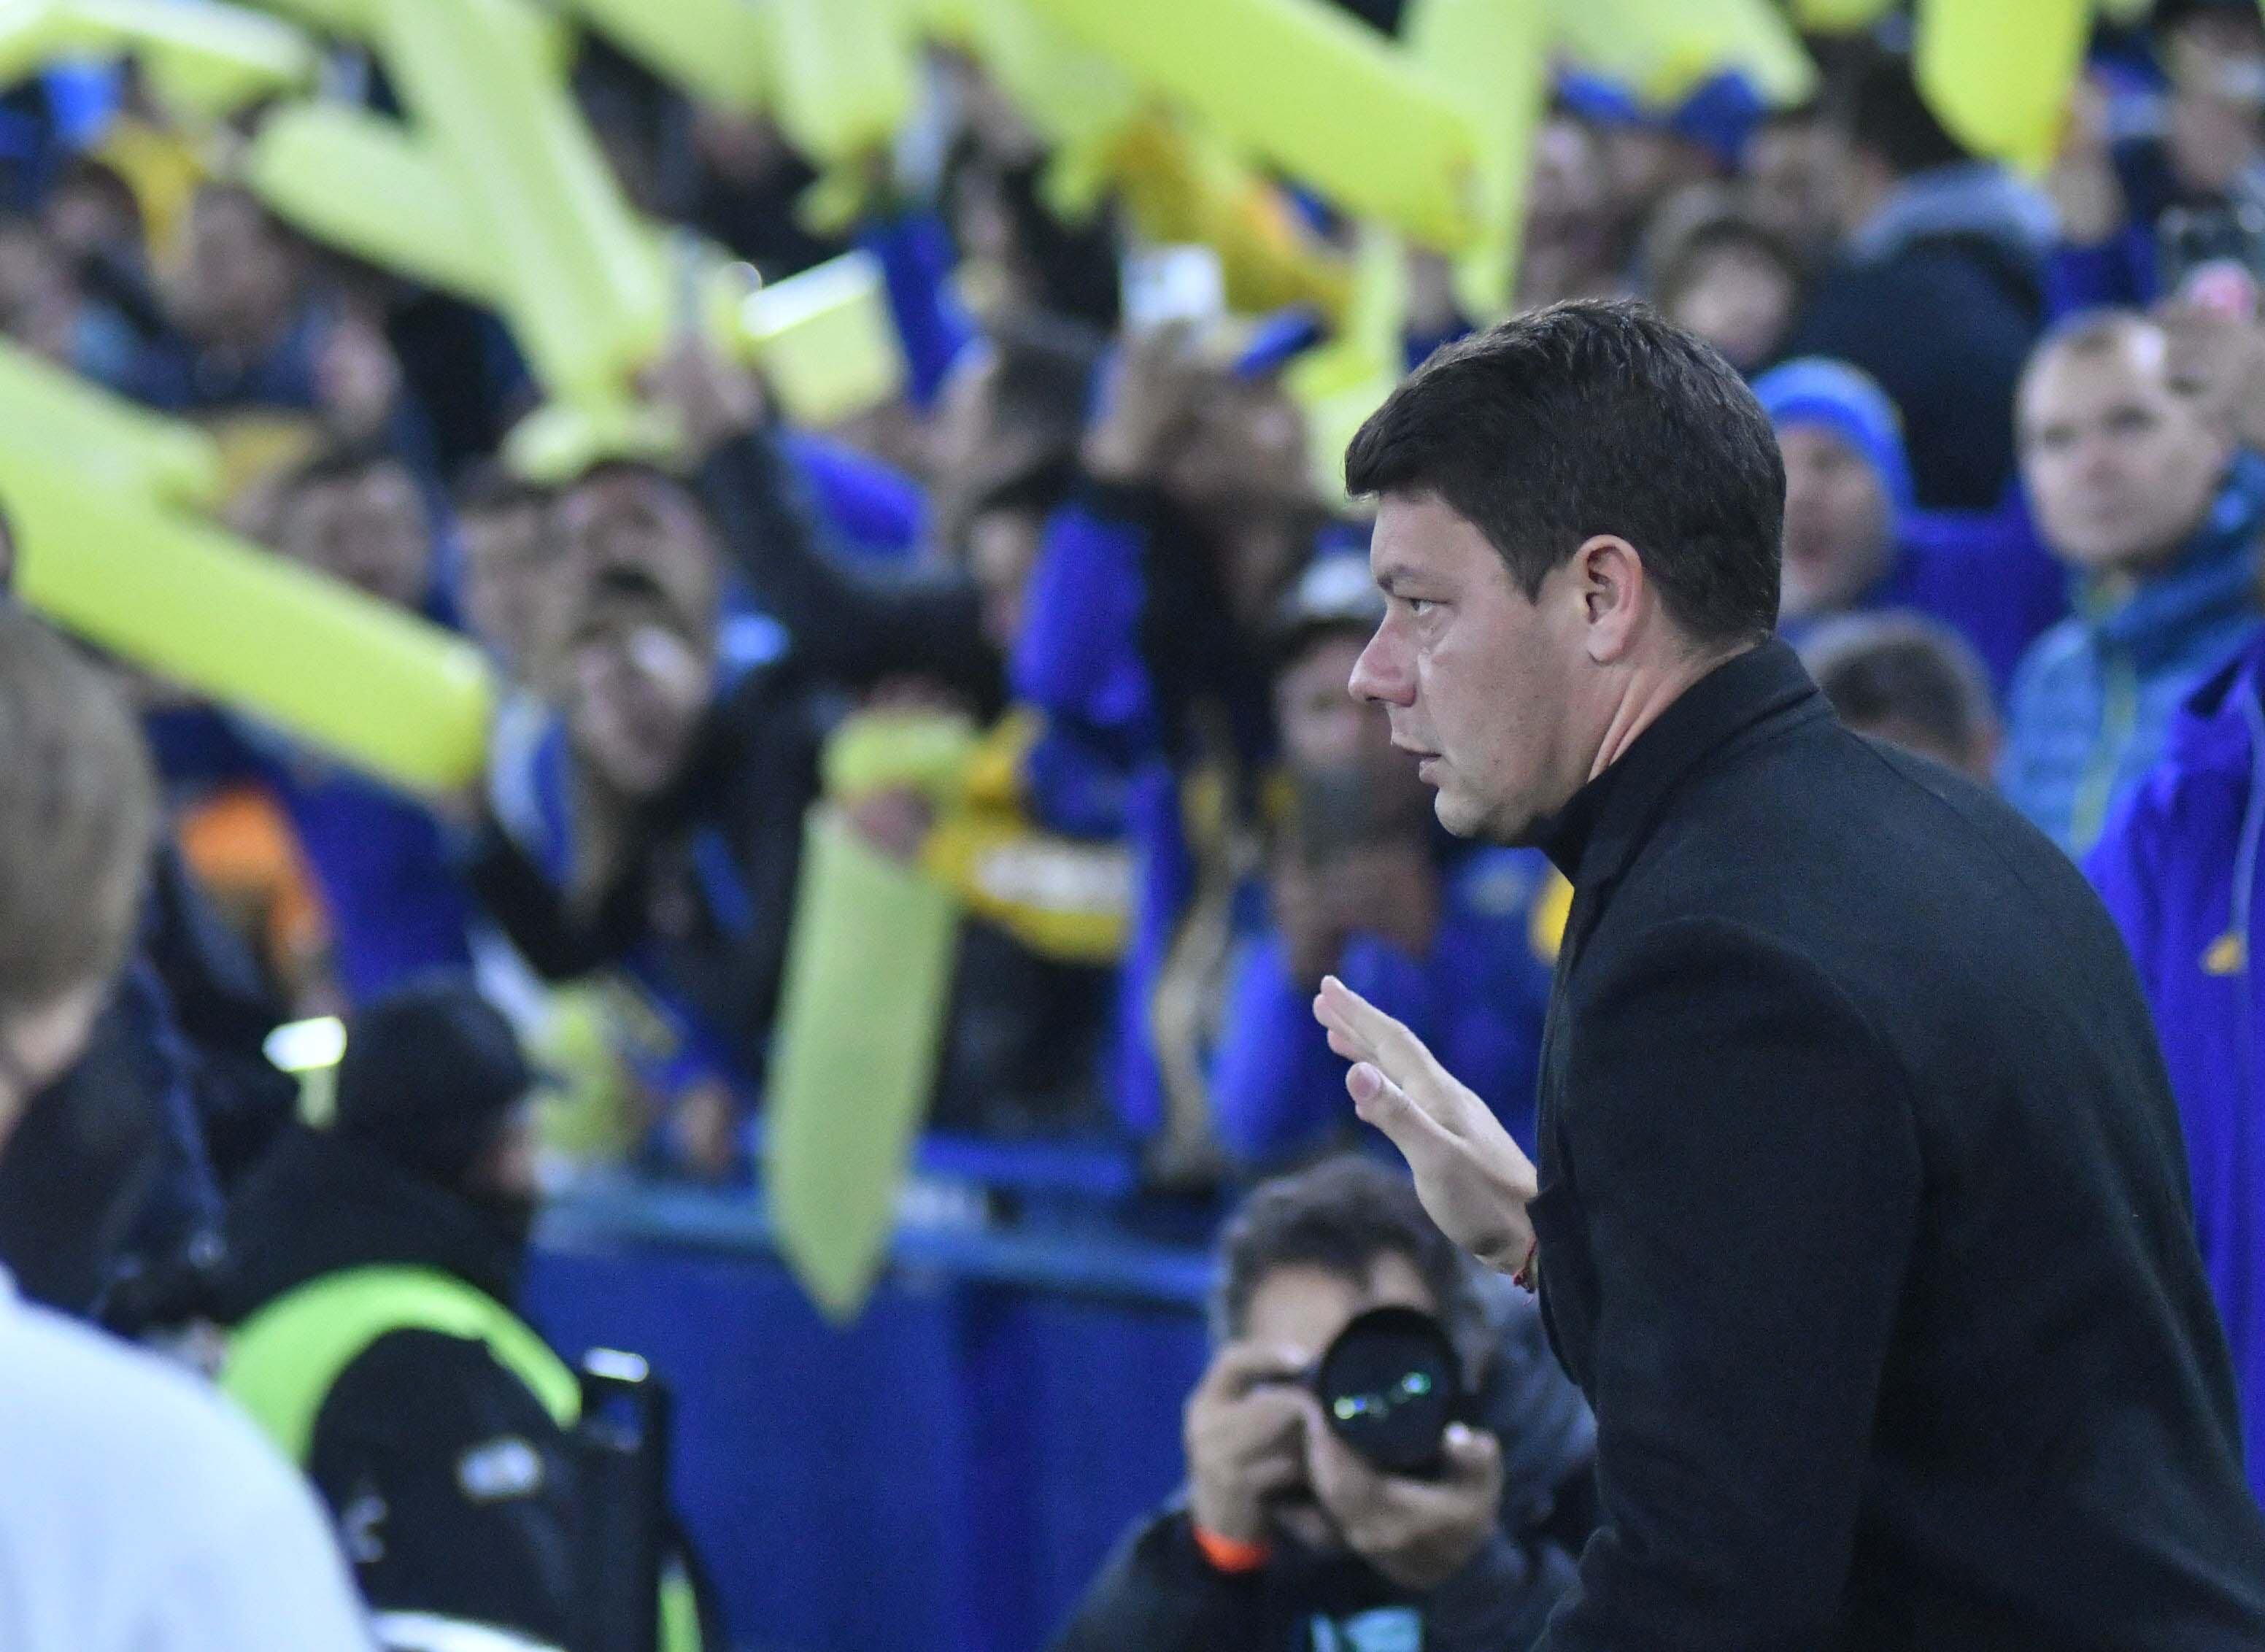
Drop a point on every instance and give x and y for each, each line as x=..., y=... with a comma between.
x=431, y=1071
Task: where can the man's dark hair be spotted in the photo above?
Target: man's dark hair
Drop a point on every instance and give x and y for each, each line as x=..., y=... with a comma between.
x=1888, y=116
x=489, y=488
x=337, y=463
x=1905, y=671
x=1041, y=486
x=1340, y=1216
x=1588, y=418
x=1677, y=260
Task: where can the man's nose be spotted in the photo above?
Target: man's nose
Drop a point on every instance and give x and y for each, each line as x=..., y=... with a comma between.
x=1380, y=675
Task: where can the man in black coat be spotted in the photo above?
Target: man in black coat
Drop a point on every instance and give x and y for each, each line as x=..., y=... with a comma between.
x=1862, y=1212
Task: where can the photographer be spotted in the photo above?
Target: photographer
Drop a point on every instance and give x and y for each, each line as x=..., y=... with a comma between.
x=1284, y=1530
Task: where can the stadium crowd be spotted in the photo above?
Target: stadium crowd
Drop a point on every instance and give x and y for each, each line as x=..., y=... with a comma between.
x=2023, y=427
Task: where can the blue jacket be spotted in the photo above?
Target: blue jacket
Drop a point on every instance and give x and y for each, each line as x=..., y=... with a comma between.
x=2178, y=867
x=1982, y=573
x=396, y=908
x=1111, y=759
x=916, y=258
x=2093, y=698
x=1477, y=999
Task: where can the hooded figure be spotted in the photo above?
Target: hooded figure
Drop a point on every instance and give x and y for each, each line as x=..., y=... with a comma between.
x=2178, y=866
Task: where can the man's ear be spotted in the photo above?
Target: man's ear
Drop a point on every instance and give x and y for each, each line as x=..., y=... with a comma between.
x=1614, y=593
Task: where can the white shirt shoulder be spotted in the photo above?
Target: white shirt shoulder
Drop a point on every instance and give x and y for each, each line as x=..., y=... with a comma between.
x=141, y=1512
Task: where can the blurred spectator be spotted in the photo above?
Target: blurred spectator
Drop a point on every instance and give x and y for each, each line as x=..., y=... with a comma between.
x=2131, y=154
x=45, y=308
x=374, y=1267
x=1284, y=1536
x=1912, y=683
x=2146, y=500
x=656, y=823
x=1572, y=244
x=1358, y=888
x=1725, y=277
x=510, y=554
x=1796, y=168
x=1142, y=646
x=241, y=294
x=395, y=909
x=1650, y=154
x=139, y=1513
x=1015, y=397
x=1855, y=543
x=257, y=329
x=1013, y=252
x=1938, y=292
x=2178, y=866
x=658, y=820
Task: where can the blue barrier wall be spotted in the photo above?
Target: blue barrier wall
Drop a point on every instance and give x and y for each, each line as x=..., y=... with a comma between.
x=945, y=1475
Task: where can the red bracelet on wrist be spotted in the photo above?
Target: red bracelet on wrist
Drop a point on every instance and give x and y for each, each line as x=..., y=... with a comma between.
x=1231, y=1555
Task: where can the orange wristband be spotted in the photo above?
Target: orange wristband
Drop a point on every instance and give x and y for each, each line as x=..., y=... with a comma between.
x=1230, y=1554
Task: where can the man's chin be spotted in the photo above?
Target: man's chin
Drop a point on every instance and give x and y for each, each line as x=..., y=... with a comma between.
x=1458, y=814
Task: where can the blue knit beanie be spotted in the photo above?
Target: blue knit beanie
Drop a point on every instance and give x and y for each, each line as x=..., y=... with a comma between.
x=1814, y=390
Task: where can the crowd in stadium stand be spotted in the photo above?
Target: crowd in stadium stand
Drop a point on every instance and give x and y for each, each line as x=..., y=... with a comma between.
x=2023, y=424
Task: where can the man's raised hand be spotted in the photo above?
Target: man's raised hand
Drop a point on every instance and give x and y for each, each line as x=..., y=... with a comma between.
x=1473, y=1178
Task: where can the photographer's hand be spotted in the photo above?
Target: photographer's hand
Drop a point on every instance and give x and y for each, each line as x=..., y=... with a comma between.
x=1243, y=1422
x=1418, y=1533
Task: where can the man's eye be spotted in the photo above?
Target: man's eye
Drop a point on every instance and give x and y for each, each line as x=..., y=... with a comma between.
x=1419, y=606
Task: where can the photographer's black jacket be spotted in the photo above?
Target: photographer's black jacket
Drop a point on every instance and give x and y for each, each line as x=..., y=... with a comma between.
x=452, y=1486
x=1159, y=1594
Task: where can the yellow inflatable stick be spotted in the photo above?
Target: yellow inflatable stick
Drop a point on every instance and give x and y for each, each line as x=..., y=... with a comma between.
x=1841, y=17
x=1073, y=96
x=1492, y=57
x=860, y=1026
x=843, y=77
x=198, y=56
x=1338, y=387
x=1178, y=184
x=718, y=50
x=825, y=340
x=362, y=183
x=358, y=19
x=112, y=444
x=1311, y=89
x=587, y=291
x=383, y=689
x=1998, y=73
x=1661, y=49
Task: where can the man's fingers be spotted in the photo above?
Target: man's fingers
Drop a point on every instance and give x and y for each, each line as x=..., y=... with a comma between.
x=1389, y=1045
x=1381, y=1102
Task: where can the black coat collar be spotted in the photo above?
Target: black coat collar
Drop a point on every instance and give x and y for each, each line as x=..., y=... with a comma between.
x=1595, y=836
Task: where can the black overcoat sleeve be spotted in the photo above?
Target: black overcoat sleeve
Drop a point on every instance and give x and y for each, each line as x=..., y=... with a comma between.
x=1729, y=1227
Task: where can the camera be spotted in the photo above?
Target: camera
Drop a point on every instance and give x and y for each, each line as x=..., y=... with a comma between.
x=1389, y=1385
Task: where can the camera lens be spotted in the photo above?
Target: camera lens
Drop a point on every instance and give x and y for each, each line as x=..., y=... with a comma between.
x=1389, y=1385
